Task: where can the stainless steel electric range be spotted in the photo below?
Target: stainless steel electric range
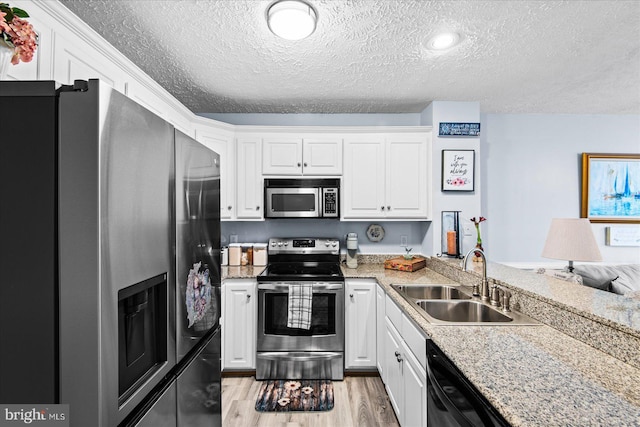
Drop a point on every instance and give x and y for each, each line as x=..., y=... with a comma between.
x=285, y=352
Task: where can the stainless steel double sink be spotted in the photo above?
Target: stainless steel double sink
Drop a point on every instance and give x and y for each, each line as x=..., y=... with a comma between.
x=451, y=305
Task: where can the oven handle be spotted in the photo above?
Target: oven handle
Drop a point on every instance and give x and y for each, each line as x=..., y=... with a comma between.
x=284, y=287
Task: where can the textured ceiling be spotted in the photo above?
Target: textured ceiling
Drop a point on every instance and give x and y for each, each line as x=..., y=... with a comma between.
x=366, y=56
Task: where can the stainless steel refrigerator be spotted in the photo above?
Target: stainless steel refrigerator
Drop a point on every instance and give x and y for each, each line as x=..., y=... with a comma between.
x=110, y=272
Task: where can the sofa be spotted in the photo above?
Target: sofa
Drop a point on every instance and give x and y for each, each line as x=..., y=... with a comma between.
x=621, y=279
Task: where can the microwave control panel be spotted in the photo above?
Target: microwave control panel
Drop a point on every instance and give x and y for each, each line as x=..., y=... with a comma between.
x=330, y=202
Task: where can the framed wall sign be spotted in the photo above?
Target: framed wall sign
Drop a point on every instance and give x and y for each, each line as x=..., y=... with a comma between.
x=459, y=129
x=611, y=187
x=458, y=170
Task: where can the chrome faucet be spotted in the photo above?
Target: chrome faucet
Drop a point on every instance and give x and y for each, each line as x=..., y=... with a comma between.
x=484, y=286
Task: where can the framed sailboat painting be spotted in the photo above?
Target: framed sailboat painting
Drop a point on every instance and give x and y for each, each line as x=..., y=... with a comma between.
x=611, y=187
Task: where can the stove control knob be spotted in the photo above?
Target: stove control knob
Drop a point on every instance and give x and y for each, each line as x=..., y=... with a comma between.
x=286, y=243
x=279, y=244
x=334, y=243
x=326, y=243
x=273, y=244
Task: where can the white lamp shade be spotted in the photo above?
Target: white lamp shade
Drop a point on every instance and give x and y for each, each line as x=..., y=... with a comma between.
x=291, y=19
x=571, y=239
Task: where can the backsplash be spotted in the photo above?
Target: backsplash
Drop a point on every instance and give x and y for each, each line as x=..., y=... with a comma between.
x=261, y=231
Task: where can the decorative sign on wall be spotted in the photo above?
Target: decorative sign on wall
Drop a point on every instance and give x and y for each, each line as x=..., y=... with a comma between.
x=458, y=170
x=622, y=236
x=459, y=129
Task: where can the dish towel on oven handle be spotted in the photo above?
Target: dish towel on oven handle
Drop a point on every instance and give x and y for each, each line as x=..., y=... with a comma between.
x=299, y=310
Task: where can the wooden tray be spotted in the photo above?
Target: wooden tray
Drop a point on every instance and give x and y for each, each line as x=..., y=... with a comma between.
x=401, y=264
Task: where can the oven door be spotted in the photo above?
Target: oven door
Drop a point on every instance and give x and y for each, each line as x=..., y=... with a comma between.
x=292, y=202
x=327, y=319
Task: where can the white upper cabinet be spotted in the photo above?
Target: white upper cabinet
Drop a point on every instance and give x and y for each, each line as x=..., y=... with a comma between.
x=406, y=189
x=307, y=155
x=249, y=194
x=322, y=155
x=221, y=142
x=363, y=182
x=386, y=176
x=282, y=155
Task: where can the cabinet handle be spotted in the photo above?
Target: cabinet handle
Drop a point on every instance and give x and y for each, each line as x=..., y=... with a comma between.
x=299, y=165
x=229, y=207
x=388, y=208
x=398, y=358
x=257, y=208
x=382, y=207
x=248, y=296
x=305, y=165
x=350, y=295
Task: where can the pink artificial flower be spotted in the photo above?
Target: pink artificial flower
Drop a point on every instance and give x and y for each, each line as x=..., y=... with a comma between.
x=19, y=35
x=24, y=38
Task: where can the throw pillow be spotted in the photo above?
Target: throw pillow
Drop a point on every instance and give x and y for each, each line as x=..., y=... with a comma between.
x=620, y=279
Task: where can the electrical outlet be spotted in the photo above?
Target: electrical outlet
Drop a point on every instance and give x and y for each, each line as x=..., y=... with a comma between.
x=467, y=230
x=403, y=241
x=233, y=238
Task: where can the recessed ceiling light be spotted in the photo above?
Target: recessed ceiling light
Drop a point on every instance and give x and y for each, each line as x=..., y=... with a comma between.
x=292, y=19
x=443, y=41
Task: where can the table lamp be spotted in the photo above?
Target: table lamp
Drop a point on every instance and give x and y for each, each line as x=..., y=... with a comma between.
x=571, y=239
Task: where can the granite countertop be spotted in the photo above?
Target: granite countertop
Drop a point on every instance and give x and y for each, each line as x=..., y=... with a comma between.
x=533, y=375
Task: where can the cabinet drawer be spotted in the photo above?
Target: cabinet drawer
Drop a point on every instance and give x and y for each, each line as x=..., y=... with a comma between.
x=415, y=339
x=393, y=313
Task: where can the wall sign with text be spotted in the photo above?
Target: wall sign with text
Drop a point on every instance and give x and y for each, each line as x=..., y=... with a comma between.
x=458, y=170
x=459, y=129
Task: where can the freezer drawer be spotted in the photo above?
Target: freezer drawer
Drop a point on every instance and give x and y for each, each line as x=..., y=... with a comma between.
x=199, y=388
x=163, y=412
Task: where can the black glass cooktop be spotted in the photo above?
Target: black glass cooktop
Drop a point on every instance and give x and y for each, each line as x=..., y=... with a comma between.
x=282, y=271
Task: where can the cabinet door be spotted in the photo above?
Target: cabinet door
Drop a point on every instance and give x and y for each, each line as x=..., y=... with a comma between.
x=282, y=156
x=393, y=368
x=222, y=143
x=406, y=192
x=380, y=332
x=364, y=177
x=415, y=390
x=239, y=324
x=322, y=156
x=249, y=190
x=360, y=324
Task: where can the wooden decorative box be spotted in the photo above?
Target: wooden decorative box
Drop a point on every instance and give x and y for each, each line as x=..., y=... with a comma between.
x=402, y=264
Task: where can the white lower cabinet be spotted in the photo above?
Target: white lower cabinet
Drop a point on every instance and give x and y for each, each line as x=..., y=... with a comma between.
x=405, y=373
x=249, y=194
x=380, y=327
x=360, y=324
x=415, y=390
x=239, y=327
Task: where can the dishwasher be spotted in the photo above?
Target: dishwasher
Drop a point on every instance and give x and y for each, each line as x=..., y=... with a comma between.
x=451, y=399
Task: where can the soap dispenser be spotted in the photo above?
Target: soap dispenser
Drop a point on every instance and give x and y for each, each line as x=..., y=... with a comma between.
x=352, y=248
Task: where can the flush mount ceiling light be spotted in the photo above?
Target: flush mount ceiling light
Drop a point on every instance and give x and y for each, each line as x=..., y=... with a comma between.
x=292, y=19
x=443, y=41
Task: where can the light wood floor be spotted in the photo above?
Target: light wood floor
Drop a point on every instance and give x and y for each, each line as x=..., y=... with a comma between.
x=358, y=401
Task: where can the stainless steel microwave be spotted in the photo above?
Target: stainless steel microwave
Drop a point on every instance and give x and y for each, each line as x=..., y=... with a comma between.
x=302, y=198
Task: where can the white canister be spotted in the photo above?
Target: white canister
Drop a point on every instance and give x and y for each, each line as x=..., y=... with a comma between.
x=259, y=254
x=224, y=256
x=235, y=253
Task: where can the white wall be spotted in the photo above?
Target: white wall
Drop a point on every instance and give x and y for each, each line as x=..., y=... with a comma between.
x=532, y=173
x=466, y=202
